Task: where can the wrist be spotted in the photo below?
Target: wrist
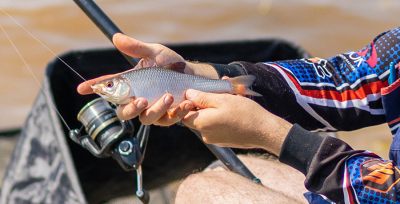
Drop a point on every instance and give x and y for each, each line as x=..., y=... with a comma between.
x=276, y=132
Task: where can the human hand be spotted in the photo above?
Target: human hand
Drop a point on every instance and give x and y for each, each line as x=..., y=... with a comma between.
x=235, y=121
x=151, y=55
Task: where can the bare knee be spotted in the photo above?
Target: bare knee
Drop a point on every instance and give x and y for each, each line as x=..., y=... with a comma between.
x=226, y=187
x=276, y=175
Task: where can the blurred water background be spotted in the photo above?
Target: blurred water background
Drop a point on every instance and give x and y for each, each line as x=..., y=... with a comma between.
x=322, y=27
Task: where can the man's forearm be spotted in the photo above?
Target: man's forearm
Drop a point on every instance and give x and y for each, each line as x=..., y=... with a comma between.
x=334, y=169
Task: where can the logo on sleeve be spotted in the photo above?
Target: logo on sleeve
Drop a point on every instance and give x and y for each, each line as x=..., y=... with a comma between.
x=378, y=175
x=357, y=59
x=320, y=66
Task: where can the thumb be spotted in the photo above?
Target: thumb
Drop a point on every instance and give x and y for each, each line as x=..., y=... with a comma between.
x=132, y=47
x=202, y=99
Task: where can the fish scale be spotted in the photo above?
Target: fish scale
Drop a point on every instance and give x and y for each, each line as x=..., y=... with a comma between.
x=153, y=83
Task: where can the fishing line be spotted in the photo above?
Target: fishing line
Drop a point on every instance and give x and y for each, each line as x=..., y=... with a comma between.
x=30, y=70
x=43, y=45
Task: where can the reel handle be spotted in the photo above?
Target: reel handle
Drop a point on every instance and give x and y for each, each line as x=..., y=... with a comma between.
x=145, y=197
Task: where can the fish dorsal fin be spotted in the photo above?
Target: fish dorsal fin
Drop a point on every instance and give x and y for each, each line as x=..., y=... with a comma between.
x=176, y=66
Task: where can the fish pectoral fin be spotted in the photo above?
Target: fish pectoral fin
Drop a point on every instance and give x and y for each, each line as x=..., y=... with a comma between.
x=176, y=66
x=171, y=112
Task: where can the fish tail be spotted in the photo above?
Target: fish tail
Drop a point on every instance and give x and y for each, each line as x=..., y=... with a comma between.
x=241, y=84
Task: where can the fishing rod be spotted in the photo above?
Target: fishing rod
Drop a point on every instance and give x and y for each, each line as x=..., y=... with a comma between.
x=130, y=152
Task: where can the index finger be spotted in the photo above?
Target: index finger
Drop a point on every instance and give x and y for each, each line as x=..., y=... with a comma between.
x=85, y=87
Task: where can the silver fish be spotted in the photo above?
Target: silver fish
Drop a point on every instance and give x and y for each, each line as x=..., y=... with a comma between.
x=152, y=83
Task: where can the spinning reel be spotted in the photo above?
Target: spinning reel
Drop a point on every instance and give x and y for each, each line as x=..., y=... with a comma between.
x=110, y=136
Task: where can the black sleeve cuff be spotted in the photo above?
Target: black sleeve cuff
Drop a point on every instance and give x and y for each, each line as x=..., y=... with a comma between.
x=230, y=70
x=299, y=148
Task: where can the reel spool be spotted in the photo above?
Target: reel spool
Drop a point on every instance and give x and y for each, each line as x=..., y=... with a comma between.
x=103, y=127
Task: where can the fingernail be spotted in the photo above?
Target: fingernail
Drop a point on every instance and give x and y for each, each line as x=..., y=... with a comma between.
x=191, y=93
x=168, y=99
x=140, y=104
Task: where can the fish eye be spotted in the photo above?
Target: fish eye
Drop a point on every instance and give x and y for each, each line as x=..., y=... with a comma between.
x=109, y=84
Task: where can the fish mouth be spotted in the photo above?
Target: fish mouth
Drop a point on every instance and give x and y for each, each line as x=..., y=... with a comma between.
x=96, y=88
